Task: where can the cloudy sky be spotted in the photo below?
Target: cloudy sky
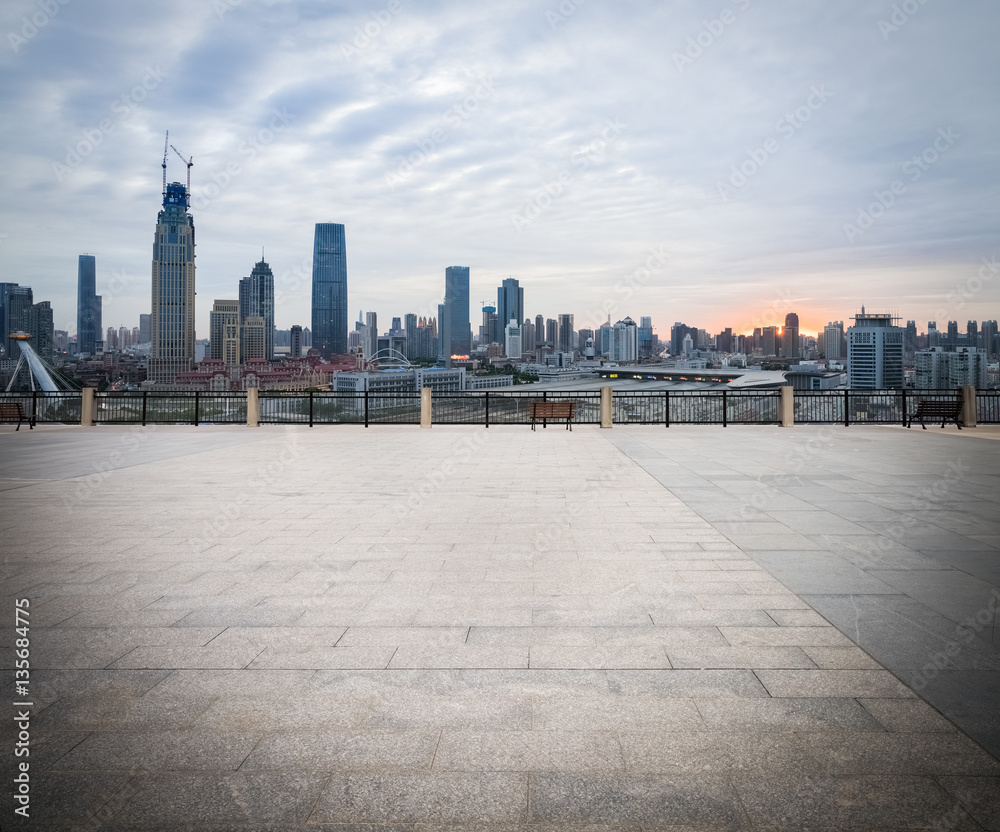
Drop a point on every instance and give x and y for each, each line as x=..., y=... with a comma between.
x=717, y=162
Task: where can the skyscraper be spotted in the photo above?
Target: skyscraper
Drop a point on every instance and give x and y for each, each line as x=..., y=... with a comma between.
x=457, y=328
x=566, y=334
x=295, y=341
x=37, y=322
x=329, y=289
x=510, y=303
x=172, y=321
x=224, y=332
x=790, y=337
x=874, y=352
x=512, y=340
x=88, y=315
x=257, y=301
x=143, y=329
x=625, y=341
x=833, y=340
x=371, y=334
x=17, y=301
x=539, y=331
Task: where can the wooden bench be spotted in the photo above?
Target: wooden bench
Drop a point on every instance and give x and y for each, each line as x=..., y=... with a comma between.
x=553, y=410
x=9, y=411
x=943, y=410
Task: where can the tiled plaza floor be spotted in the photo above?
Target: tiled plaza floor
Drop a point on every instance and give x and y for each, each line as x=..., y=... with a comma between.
x=692, y=628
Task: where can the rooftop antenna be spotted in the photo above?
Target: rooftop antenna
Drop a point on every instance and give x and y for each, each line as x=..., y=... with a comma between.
x=189, y=163
x=165, y=140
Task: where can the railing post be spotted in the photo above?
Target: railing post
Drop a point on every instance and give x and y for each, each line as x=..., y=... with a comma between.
x=196, y=394
x=88, y=407
x=487, y=408
x=605, y=407
x=425, y=407
x=667, y=408
x=725, y=416
x=903, y=392
x=366, y=407
x=847, y=408
x=145, y=394
x=786, y=406
x=253, y=407
x=969, y=406
x=312, y=394
x=34, y=407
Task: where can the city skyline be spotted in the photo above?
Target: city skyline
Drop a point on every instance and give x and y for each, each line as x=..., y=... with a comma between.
x=569, y=151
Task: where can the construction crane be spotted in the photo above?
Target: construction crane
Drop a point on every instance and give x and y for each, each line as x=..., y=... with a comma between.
x=166, y=138
x=189, y=163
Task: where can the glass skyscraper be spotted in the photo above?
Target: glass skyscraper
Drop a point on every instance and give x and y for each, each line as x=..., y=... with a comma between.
x=88, y=311
x=329, y=289
x=457, y=328
x=172, y=321
x=510, y=303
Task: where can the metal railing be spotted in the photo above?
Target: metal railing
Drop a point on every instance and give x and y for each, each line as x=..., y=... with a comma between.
x=320, y=408
x=497, y=407
x=135, y=407
x=855, y=407
x=47, y=408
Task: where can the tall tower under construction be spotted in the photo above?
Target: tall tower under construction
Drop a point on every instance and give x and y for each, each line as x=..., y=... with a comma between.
x=172, y=321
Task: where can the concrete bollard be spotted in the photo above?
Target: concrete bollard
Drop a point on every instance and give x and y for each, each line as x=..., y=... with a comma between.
x=253, y=407
x=605, y=407
x=425, y=407
x=969, y=406
x=787, y=407
x=88, y=407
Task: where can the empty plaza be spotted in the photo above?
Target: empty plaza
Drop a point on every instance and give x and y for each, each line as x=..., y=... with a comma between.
x=386, y=629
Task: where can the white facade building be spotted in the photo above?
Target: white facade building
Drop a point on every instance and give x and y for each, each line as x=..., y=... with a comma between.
x=875, y=353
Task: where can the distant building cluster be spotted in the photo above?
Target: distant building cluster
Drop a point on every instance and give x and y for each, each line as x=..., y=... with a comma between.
x=244, y=349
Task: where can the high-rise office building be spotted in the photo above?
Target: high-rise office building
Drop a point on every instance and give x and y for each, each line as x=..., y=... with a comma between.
x=625, y=341
x=510, y=302
x=539, y=331
x=257, y=301
x=456, y=331
x=512, y=340
x=370, y=330
x=224, y=332
x=566, y=334
x=253, y=339
x=88, y=315
x=833, y=340
x=527, y=336
x=488, y=328
x=17, y=301
x=769, y=340
x=874, y=352
x=295, y=341
x=4, y=288
x=988, y=339
x=329, y=289
x=645, y=336
x=37, y=322
x=910, y=339
x=790, y=337
x=143, y=329
x=172, y=321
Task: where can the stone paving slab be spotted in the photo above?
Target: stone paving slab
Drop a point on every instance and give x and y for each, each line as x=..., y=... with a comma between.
x=638, y=629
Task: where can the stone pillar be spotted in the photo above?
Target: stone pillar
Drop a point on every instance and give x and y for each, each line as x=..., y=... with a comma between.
x=88, y=407
x=786, y=408
x=968, y=406
x=253, y=407
x=425, y=407
x=605, y=407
